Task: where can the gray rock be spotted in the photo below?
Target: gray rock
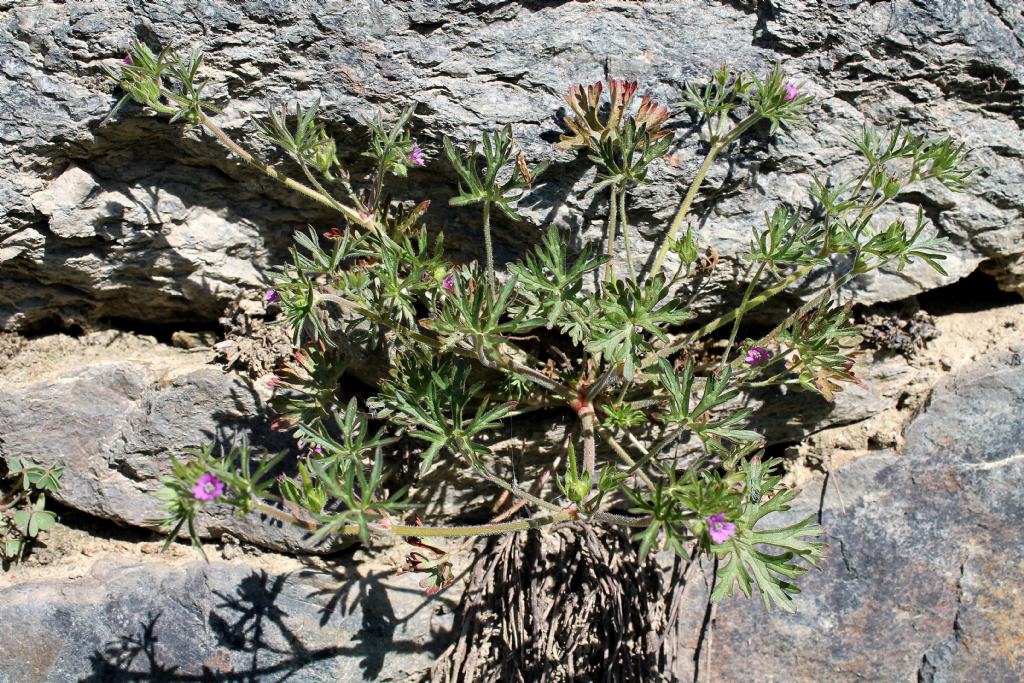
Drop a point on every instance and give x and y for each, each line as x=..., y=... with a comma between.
x=113, y=425
x=223, y=622
x=136, y=219
x=923, y=572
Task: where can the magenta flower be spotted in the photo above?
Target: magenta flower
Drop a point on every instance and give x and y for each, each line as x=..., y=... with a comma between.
x=207, y=487
x=127, y=60
x=416, y=156
x=272, y=296
x=720, y=530
x=757, y=356
x=449, y=282
x=791, y=91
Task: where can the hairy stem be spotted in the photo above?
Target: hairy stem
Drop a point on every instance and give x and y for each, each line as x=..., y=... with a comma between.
x=504, y=362
x=725, y=318
x=589, y=448
x=602, y=382
x=625, y=233
x=624, y=456
x=739, y=316
x=534, y=489
x=516, y=491
x=698, y=180
x=613, y=208
x=324, y=199
x=453, y=531
x=487, y=244
x=378, y=185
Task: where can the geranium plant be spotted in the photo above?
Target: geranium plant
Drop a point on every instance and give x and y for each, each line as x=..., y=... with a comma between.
x=661, y=445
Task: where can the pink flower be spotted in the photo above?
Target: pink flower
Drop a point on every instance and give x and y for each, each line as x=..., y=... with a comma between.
x=449, y=282
x=791, y=91
x=416, y=156
x=207, y=487
x=719, y=529
x=757, y=356
x=274, y=382
x=272, y=296
x=127, y=60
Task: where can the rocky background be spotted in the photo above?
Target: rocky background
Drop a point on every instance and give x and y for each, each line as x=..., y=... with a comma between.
x=123, y=243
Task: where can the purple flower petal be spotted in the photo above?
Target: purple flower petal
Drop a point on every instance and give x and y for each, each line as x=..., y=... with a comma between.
x=791, y=92
x=207, y=487
x=449, y=282
x=416, y=156
x=719, y=529
x=758, y=355
x=272, y=296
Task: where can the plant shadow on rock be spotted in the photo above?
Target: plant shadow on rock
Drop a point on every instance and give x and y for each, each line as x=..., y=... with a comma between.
x=249, y=634
x=231, y=424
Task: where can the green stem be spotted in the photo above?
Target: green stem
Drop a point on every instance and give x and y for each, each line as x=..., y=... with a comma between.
x=625, y=233
x=658, y=447
x=487, y=244
x=378, y=185
x=503, y=362
x=726, y=318
x=453, y=531
x=807, y=307
x=810, y=305
x=316, y=184
x=623, y=455
x=621, y=520
x=516, y=491
x=691, y=194
x=739, y=316
x=609, y=269
x=589, y=449
x=326, y=200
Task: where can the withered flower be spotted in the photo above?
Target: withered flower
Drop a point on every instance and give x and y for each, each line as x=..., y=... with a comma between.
x=589, y=126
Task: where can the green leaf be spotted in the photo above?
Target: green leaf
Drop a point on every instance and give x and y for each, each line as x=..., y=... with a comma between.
x=745, y=559
x=629, y=315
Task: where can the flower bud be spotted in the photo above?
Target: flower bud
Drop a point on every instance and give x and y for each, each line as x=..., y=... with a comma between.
x=323, y=152
x=877, y=179
x=686, y=248
x=576, y=489
x=891, y=187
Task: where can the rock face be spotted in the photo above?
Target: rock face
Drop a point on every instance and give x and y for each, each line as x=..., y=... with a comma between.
x=196, y=622
x=921, y=582
x=923, y=573
x=135, y=219
x=113, y=425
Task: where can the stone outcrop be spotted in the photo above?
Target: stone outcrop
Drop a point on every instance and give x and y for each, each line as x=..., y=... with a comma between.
x=218, y=621
x=923, y=568
x=135, y=219
x=114, y=416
